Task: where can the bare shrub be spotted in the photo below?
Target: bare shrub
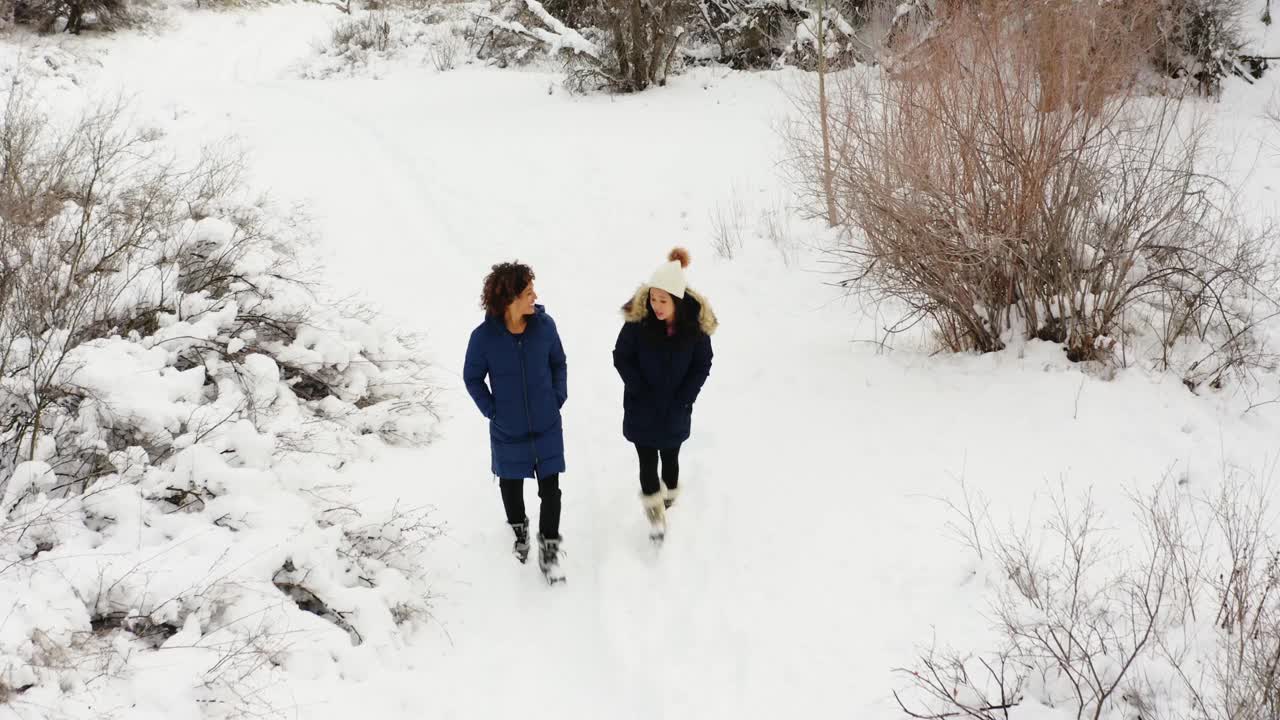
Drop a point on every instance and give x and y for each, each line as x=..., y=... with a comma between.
x=1200, y=41
x=967, y=687
x=1073, y=617
x=775, y=225
x=1092, y=623
x=726, y=228
x=426, y=34
x=970, y=523
x=999, y=190
x=444, y=52
x=370, y=32
x=1243, y=681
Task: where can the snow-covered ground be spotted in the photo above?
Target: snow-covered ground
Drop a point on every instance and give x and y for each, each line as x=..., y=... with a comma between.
x=808, y=555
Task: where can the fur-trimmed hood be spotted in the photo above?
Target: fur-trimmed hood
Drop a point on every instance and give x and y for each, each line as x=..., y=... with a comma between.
x=637, y=308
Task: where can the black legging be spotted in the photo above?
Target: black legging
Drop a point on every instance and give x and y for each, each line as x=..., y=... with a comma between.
x=549, y=510
x=649, y=468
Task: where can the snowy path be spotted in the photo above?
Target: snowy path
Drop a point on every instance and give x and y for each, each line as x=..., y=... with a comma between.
x=807, y=557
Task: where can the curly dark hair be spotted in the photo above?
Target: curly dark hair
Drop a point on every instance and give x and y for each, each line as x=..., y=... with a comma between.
x=503, y=285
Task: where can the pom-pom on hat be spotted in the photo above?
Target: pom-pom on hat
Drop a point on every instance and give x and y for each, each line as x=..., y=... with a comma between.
x=670, y=275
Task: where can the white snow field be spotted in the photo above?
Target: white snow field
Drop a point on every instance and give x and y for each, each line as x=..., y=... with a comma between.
x=807, y=556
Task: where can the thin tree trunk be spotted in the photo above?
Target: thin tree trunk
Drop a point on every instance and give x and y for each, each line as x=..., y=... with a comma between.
x=35, y=431
x=75, y=19
x=828, y=178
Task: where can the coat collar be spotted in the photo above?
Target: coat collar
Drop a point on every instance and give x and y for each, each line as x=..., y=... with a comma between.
x=637, y=308
x=496, y=321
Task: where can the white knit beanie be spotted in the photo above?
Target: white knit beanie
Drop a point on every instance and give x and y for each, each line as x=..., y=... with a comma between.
x=670, y=275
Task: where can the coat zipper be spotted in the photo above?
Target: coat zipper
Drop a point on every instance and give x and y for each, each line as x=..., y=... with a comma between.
x=528, y=415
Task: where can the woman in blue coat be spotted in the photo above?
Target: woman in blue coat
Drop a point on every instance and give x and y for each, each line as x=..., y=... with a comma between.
x=517, y=348
x=663, y=355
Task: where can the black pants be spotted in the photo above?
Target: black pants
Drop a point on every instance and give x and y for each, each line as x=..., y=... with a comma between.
x=548, y=511
x=649, y=468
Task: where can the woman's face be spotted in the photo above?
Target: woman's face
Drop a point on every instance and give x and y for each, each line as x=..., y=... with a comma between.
x=663, y=306
x=523, y=304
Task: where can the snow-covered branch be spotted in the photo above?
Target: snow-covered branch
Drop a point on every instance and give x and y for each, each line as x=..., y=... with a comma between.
x=556, y=36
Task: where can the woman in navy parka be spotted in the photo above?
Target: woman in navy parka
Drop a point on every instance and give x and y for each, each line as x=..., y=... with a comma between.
x=663, y=354
x=518, y=349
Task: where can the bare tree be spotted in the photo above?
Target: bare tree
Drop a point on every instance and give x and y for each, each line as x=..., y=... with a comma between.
x=1002, y=179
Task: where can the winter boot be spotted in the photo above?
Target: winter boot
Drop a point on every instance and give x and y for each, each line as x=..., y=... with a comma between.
x=520, y=548
x=655, y=511
x=669, y=498
x=549, y=559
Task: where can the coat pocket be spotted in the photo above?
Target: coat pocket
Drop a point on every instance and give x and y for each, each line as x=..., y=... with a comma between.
x=682, y=419
x=639, y=408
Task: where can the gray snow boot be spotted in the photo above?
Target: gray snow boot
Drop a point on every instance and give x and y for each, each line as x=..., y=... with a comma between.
x=549, y=559
x=520, y=548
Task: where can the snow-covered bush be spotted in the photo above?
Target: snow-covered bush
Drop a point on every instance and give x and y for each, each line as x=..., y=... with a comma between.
x=770, y=33
x=367, y=33
x=175, y=406
x=621, y=45
x=517, y=31
x=1200, y=39
x=367, y=40
x=444, y=52
x=627, y=46
x=1181, y=622
x=998, y=195
x=74, y=15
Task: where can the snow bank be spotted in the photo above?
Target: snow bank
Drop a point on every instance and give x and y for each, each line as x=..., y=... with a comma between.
x=175, y=530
